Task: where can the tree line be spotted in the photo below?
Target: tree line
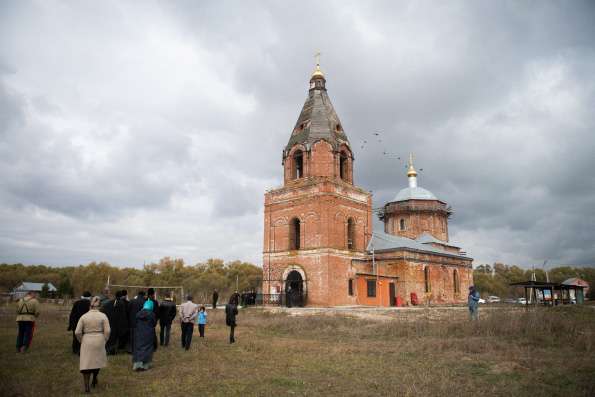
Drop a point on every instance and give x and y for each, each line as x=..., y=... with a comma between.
x=495, y=279
x=199, y=279
x=202, y=278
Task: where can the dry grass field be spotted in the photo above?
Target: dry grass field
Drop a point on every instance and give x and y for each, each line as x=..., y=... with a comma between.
x=510, y=352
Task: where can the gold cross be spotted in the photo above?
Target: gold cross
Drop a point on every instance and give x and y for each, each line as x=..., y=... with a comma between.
x=317, y=56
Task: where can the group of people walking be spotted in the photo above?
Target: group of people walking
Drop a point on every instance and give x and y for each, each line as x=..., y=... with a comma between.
x=101, y=326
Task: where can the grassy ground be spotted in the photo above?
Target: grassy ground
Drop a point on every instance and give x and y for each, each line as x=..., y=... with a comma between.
x=411, y=353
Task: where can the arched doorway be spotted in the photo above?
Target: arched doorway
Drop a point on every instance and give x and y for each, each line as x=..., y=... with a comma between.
x=294, y=289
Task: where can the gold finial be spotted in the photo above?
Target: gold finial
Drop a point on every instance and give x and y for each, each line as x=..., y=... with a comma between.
x=317, y=72
x=411, y=171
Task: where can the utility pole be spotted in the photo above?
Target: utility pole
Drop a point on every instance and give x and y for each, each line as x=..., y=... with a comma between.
x=375, y=268
x=531, y=290
x=547, y=277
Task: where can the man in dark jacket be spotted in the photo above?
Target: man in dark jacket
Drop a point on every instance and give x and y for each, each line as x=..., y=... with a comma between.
x=215, y=298
x=108, y=308
x=134, y=306
x=167, y=313
x=235, y=298
x=121, y=319
x=105, y=296
x=79, y=308
x=473, y=303
x=231, y=311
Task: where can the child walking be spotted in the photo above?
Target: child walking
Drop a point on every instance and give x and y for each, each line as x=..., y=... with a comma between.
x=202, y=321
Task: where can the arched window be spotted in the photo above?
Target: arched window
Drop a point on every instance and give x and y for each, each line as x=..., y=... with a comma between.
x=294, y=234
x=427, y=285
x=402, y=224
x=350, y=234
x=298, y=164
x=456, y=282
x=343, y=166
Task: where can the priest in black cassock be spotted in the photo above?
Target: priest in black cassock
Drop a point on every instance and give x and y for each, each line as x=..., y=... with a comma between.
x=79, y=308
x=109, y=309
x=121, y=308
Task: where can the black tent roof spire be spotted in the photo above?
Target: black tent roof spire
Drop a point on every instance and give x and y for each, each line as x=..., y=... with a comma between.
x=318, y=119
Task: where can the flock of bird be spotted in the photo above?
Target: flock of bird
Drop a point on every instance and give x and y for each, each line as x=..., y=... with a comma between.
x=376, y=138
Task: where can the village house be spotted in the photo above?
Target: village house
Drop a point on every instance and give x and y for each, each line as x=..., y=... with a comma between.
x=22, y=289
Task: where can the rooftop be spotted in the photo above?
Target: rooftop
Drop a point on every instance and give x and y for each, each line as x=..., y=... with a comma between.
x=29, y=286
x=427, y=238
x=318, y=119
x=382, y=241
x=414, y=193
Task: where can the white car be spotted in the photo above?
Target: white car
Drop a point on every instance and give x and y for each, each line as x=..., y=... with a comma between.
x=521, y=301
x=481, y=300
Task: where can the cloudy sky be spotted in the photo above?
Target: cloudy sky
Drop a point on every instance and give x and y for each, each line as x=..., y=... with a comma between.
x=132, y=130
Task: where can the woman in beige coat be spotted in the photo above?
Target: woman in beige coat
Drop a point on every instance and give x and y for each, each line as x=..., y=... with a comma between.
x=92, y=331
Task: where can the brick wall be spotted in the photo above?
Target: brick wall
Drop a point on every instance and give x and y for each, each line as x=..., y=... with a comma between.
x=323, y=207
x=409, y=268
x=321, y=161
x=420, y=216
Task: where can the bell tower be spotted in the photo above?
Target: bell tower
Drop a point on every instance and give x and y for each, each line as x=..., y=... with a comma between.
x=318, y=221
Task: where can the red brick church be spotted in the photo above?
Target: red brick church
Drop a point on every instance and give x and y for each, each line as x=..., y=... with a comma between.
x=319, y=246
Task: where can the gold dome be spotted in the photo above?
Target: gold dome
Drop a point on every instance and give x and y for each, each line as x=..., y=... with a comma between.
x=317, y=73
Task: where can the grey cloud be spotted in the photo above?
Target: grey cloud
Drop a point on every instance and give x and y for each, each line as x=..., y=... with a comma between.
x=11, y=114
x=495, y=99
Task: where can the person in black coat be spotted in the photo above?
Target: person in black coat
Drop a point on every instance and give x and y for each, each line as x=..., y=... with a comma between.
x=215, y=298
x=134, y=306
x=144, y=333
x=231, y=311
x=79, y=308
x=167, y=313
x=108, y=308
x=121, y=319
x=235, y=298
